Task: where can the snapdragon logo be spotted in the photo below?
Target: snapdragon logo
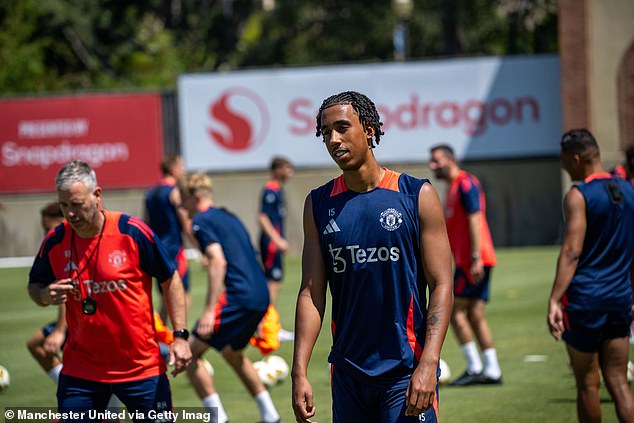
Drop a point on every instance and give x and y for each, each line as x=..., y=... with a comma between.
x=354, y=254
x=472, y=116
x=239, y=120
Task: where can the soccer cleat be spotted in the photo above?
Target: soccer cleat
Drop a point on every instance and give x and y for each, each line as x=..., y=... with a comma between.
x=468, y=379
x=486, y=380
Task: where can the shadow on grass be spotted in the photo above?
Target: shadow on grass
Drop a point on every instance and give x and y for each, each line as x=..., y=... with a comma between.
x=574, y=400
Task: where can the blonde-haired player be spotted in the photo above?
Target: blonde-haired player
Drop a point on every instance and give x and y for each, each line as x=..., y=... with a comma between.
x=236, y=300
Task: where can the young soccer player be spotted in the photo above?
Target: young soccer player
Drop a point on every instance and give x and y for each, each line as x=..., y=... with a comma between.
x=164, y=213
x=46, y=344
x=236, y=301
x=273, y=244
x=377, y=238
x=474, y=257
x=590, y=306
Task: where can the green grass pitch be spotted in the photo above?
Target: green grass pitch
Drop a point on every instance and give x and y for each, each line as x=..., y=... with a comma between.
x=533, y=391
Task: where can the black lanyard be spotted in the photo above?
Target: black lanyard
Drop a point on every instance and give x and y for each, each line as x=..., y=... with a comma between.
x=88, y=304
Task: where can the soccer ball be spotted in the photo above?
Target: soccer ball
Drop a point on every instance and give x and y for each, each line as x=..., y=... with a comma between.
x=630, y=371
x=5, y=379
x=278, y=366
x=207, y=365
x=265, y=373
x=445, y=372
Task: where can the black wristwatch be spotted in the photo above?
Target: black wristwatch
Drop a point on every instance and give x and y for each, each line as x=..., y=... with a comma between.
x=181, y=333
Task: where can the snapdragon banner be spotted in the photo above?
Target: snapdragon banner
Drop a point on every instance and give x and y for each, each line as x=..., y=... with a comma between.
x=485, y=108
x=120, y=136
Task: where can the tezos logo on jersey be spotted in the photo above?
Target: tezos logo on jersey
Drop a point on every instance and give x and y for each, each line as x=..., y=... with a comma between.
x=117, y=258
x=239, y=120
x=354, y=254
x=391, y=219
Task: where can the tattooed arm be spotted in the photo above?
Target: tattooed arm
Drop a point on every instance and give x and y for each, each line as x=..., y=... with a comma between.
x=436, y=259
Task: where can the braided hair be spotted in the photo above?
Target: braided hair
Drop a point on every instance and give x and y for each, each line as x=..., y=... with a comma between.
x=362, y=105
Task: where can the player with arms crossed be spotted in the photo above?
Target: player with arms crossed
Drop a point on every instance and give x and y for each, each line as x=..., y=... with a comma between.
x=100, y=263
x=590, y=306
x=378, y=239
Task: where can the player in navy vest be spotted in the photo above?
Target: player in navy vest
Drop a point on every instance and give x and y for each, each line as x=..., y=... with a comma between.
x=165, y=214
x=590, y=306
x=378, y=239
x=273, y=245
x=237, y=298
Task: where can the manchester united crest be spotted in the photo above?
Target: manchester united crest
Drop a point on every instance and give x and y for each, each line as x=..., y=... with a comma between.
x=391, y=219
x=117, y=258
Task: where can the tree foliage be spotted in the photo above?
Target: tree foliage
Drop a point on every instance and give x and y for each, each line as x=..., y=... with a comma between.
x=69, y=45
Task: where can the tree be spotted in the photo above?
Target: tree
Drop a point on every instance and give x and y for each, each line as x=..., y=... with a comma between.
x=62, y=45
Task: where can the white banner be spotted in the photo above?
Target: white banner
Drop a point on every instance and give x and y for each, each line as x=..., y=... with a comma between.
x=486, y=108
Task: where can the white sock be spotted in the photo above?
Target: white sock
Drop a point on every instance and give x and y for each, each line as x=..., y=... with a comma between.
x=470, y=351
x=54, y=373
x=213, y=401
x=491, y=365
x=267, y=409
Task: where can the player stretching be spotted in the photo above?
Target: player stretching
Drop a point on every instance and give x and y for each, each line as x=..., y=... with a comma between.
x=237, y=298
x=46, y=344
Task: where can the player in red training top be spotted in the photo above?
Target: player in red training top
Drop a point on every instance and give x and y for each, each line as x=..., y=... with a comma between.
x=474, y=257
x=100, y=264
x=590, y=306
x=45, y=345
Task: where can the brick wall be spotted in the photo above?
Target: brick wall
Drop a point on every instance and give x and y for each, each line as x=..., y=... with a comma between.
x=573, y=53
x=626, y=98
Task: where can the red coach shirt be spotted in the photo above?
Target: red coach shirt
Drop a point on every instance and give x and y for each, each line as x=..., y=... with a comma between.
x=118, y=343
x=465, y=196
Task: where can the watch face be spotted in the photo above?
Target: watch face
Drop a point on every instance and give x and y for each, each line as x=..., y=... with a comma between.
x=182, y=333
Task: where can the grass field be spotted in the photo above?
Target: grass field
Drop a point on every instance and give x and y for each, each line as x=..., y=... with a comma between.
x=541, y=391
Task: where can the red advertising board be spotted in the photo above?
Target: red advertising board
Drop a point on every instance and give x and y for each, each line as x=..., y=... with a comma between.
x=119, y=135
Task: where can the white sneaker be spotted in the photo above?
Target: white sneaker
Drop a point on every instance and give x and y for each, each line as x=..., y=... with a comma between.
x=284, y=335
